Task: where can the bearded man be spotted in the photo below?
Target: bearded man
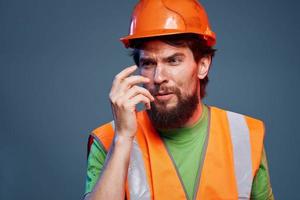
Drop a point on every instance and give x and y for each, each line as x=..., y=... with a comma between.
x=178, y=147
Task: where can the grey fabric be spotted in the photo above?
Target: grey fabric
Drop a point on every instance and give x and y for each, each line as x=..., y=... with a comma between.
x=137, y=179
x=242, y=153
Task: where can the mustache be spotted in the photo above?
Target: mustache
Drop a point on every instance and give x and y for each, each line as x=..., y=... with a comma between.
x=162, y=89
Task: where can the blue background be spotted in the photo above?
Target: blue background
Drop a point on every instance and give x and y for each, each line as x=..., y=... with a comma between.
x=58, y=59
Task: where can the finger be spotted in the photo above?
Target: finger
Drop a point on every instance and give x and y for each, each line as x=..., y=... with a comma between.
x=135, y=90
x=133, y=80
x=125, y=73
x=138, y=99
x=121, y=76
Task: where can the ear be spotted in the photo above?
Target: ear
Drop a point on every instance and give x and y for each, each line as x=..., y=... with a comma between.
x=203, y=66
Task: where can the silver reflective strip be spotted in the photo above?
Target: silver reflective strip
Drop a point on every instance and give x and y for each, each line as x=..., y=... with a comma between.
x=137, y=179
x=242, y=153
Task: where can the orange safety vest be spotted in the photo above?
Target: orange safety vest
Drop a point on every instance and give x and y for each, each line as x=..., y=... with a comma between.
x=232, y=156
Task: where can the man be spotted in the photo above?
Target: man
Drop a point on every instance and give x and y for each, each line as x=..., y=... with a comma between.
x=178, y=148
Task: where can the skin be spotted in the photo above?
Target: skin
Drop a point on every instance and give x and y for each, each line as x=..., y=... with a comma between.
x=162, y=66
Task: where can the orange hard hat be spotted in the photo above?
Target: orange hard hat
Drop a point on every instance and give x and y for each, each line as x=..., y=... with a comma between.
x=152, y=18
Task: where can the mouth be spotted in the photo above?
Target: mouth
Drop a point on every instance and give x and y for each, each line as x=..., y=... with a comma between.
x=163, y=96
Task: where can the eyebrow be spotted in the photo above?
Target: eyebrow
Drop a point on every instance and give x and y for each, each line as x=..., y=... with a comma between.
x=147, y=59
x=175, y=55
x=166, y=59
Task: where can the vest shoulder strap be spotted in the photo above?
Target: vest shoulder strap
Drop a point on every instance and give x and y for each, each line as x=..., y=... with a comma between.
x=104, y=134
x=257, y=134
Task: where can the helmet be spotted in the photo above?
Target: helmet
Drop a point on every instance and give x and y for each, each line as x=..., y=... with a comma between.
x=152, y=18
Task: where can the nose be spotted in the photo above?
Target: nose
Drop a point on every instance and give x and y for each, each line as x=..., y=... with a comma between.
x=160, y=74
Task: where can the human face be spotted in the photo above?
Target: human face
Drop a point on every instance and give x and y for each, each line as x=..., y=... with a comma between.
x=172, y=72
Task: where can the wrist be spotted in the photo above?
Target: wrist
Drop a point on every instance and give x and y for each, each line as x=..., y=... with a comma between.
x=123, y=140
x=123, y=145
x=124, y=134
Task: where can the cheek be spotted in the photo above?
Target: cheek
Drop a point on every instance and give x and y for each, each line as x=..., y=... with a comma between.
x=147, y=86
x=187, y=80
x=146, y=73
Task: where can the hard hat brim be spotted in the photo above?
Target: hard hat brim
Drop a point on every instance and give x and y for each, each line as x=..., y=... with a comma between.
x=210, y=39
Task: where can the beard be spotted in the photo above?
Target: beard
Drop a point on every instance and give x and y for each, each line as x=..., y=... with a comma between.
x=175, y=117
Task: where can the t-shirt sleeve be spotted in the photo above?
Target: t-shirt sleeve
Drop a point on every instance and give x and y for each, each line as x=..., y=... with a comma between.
x=95, y=162
x=261, y=188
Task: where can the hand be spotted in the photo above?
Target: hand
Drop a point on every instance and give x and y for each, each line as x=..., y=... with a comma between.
x=125, y=94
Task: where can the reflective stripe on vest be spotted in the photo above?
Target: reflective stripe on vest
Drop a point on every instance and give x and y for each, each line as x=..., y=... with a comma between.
x=242, y=153
x=136, y=176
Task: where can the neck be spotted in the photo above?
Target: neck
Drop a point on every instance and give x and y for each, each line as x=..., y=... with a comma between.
x=195, y=117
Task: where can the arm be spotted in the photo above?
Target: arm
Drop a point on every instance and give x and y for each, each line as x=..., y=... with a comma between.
x=261, y=188
x=95, y=163
x=111, y=183
x=124, y=97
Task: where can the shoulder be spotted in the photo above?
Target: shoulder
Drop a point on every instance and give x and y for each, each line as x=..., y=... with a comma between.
x=235, y=114
x=254, y=124
x=104, y=134
x=104, y=130
x=241, y=126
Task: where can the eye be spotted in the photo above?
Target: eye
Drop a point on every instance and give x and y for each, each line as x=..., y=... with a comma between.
x=174, y=61
x=147, y=64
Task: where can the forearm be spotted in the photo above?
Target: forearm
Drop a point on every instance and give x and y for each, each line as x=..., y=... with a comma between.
x=111, y=184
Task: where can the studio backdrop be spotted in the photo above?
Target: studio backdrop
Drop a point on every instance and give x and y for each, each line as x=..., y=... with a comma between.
x=57, y=62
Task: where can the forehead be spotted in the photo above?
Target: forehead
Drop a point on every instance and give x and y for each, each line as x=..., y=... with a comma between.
x=161, y=49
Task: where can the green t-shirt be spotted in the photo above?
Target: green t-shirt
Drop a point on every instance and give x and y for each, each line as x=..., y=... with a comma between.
x=185, y=146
